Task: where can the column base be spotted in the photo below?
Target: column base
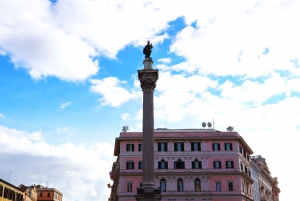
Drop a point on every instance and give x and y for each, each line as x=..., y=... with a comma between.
x=148, y=196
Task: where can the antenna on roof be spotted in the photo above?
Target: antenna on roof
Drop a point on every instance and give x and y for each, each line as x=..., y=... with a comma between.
x=209, y=125
x=125, y=128
x=203, y=125
x=229, y=128
x=9, y=176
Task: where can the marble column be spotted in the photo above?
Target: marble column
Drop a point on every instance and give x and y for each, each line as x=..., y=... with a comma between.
x=148, y=78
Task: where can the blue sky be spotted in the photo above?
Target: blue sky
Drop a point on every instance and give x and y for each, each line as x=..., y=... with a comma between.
x=68, y=82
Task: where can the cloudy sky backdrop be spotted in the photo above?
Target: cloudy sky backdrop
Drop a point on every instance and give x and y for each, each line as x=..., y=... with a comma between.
x=68, y=82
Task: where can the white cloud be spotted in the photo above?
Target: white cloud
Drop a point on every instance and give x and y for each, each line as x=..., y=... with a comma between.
x=34, y=43
x=113, y=94
x=64, y=105
x=2, y=115
x=125, y=116
x=165, y=60
x=75, y=165
x=62, y=39
x=2, y=53
x=62, y=130
x=230, y=41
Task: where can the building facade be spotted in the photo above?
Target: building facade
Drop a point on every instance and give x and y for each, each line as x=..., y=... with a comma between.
x=48, y=194
x=265, y=186
x=30, y=192
x=9, y=192
x=190, y=164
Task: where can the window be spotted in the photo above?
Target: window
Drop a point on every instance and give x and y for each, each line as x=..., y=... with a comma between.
x=140, y=147
x=178, y=146
x=216, y=146
x=241, y=150
x=130, y=147
x=163, y=186
x=41, y=194
x=229, y=164
x=129, y=187
x=218, y=186
x=179, y=164
x=230, y=186
x=228, y=147
x=217, y=164
x=245, y=153
x=248, y=158
x=140, y=165
x=197, y=184
x=130, y=165
x=242, y=167
x=1, y=190
x=195, y=146
x=180, y=185
x=249, y=173
x=196, y=164
x=162, y=164
x=246, y=170
x=162, y=146
x=48, y=195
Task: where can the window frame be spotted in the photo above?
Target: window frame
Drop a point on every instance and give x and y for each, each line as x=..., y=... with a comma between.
x=176, y=146
x=140, y=147
x=162, y=161
x=194, y=164
x=217, y=162
x=180, y=186
x=179, y=164
x=231, y=166
x=140, y=165
x=159, y=146
x=218, y=184
x=163, y=181
x=129, y=147
x=230, y=186
x=193, y=146
x=230, y=146
x=218, y=147
x=129, y=186
x=197, y=181
x=130, y=167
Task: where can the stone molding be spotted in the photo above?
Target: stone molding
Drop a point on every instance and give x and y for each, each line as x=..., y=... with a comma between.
x=148, y=79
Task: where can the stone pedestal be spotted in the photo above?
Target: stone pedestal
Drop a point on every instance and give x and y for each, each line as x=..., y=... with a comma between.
x=148, y=78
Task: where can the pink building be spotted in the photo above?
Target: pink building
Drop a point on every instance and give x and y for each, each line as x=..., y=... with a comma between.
x=190, y=164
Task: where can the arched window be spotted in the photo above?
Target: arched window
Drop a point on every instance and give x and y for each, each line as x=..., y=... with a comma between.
x=162, y=164
x=179, y=184
x=196, y=164
x=179, y=164
x=197, y=184
x=163, y=185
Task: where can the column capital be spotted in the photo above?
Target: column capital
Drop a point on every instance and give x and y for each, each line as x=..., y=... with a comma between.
x=148, y=79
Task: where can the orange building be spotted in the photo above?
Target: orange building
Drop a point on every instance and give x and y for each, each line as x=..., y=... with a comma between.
x=48, y=194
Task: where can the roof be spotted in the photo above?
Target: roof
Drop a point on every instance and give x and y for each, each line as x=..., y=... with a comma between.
x=192, y=134
x=42, y=188
x=12, y=186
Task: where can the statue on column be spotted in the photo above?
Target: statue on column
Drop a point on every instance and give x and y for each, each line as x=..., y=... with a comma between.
x=147, y=49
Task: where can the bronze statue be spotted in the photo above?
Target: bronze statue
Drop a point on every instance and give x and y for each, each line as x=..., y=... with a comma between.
x=147, y=49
